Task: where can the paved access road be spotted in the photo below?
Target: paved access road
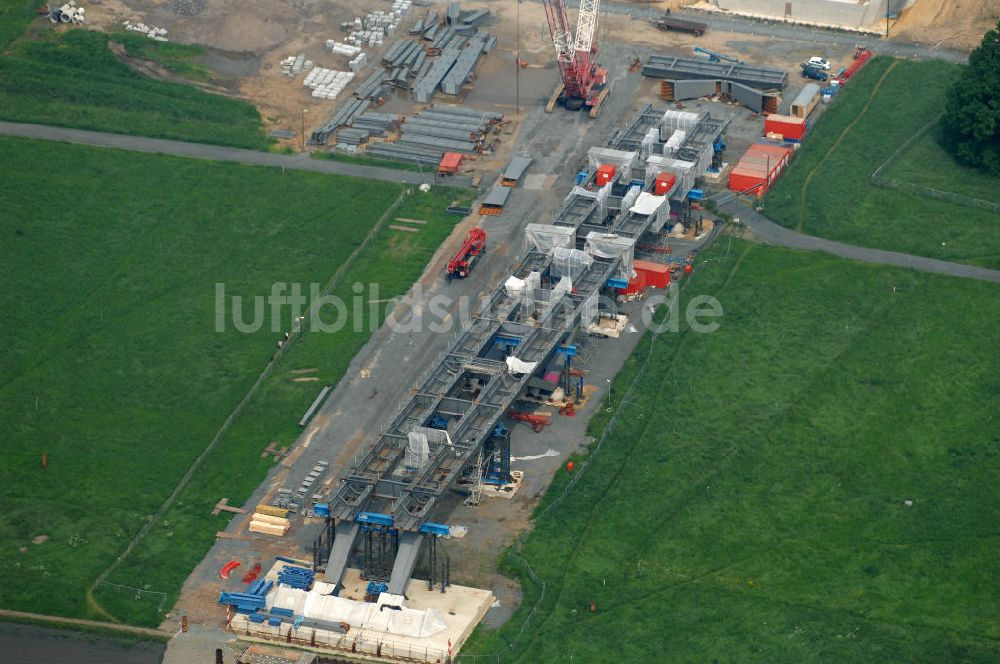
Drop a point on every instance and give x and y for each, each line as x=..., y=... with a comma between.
x=218, y=153
x=773, y=233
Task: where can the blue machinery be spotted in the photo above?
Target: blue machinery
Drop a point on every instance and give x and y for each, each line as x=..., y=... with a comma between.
x=470, y=389
x=714, y=56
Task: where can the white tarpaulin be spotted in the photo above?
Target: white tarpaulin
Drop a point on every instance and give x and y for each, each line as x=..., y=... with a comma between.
x=372, y=616
x=513, y=286
x=420, y=440
x=516, y=366
x=613, y=246
x=570, y=263
x=630, y=197
x=647, y=203
x=418, y=450
x=622, y=160
x=674, y=120
x=543, y=238
x=649, y=142
x=684, y=171
x=675, y=141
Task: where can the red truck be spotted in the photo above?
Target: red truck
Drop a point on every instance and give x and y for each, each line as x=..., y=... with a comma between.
x=473, y=247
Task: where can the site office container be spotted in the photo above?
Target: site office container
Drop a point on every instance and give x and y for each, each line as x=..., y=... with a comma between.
x=758, y=168
x=664, y=181
x=792, y=128
x=647, y=275
x=605, y=174
x=450, y=162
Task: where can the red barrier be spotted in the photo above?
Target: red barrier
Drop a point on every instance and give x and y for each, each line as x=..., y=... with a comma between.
x=227, y=568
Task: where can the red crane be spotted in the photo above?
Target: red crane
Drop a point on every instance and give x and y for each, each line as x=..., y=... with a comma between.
x=584, y=83
x=473, y=247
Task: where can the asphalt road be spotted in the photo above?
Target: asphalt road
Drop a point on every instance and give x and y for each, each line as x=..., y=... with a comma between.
x=773, y=233
x=218, y=153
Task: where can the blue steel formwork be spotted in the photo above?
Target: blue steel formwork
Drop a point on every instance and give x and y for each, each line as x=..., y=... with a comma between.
x=471, y=386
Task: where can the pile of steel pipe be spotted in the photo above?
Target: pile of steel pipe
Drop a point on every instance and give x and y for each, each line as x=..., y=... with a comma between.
x=422, y=155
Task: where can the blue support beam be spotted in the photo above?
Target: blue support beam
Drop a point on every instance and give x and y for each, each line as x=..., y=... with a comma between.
x=375, y=518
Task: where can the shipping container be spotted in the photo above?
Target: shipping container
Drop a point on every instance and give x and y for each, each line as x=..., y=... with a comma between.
x=647, y=275
x=806, y=101
x=758, y=168
x=791, y=127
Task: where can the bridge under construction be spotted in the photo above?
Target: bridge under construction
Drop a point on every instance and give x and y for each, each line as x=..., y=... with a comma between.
x=553, y=293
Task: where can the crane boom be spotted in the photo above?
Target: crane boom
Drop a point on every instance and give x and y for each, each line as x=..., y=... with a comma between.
x=586, y=24
x=583, y=82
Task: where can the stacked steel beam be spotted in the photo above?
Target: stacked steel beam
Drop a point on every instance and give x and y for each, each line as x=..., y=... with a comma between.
x=342, y=117
x=466, y=63
x=353, y=136
x=424, y=87
x=369, y=89
x=673, y=67
x=377, y=124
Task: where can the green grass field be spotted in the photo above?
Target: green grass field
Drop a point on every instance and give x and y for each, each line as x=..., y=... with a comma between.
x=109, y=360
x=749, y=504
x=71, y=78
x=827, y=191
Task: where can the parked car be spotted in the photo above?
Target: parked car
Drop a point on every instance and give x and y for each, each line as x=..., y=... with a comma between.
x=815, y=73
x=819, y=63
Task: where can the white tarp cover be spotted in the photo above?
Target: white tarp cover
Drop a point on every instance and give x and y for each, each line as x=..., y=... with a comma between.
x=589, y=309
x=513, y=286
x=419, y=443
x=674, y=120
x=685, y=172
x=622, y=160
x=365, y=615
x=603, y=194
x=569, y=262
x=286, y=597
x=628, y=200
x=544, y=237
x=647, y=203
x=613, y=246
x=675, y=141
x=649, y=142
x=417, y=450
x=516, y=366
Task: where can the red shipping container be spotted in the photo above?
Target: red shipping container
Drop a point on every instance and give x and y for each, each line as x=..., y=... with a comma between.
x=605, y=174
x=647, y=275
x=450, y=162
x=792, y=128
x=758, y=168
x=654, y=275
x=664, y=181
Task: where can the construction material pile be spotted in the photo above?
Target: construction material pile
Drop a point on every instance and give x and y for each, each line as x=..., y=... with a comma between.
x=269, y=520
x=187, y=7
x=68, y=13
x=327, y=83
x=293, y=64
x=439, y=129
x=374, y=26
x=151, y=31
x=377, y=124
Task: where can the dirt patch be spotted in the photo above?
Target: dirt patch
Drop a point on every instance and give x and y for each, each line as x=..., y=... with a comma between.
x=159, y=72
x=958, y=24
x=38, y=539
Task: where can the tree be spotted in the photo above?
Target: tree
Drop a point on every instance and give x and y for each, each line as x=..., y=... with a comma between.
x=971, y=126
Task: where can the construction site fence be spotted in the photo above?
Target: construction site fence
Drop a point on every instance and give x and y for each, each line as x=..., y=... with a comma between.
x=515, y=550
x=920, y=190
x=361, y=644
x=929, y=192
x=138, y=593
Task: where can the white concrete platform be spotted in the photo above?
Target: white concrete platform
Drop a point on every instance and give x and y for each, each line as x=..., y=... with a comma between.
x=461, y=608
